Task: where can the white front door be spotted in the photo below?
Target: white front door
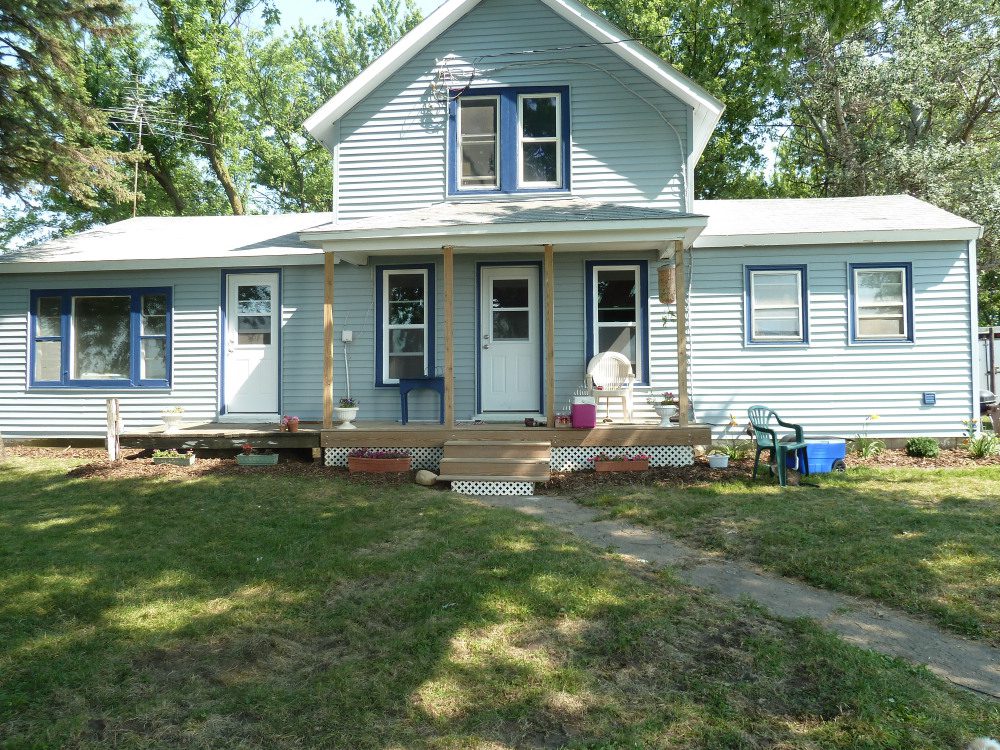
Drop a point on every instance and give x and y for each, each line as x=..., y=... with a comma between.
x=250, y=376
x=510, y=340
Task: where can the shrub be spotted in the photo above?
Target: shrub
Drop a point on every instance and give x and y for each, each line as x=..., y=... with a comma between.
x=983, y=445
x=923, y=447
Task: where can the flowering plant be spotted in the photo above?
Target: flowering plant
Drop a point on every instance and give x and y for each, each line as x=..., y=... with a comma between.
x=376, y=453
x=667, y=399
x=287, y=420
x=602, y=457
x=348, y=403
x=864, y=446
x=247, y=449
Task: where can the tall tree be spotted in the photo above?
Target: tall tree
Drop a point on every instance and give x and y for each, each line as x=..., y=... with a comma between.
x=45, y=112
x=741, y=51
x=286, y=78
x=911, y=104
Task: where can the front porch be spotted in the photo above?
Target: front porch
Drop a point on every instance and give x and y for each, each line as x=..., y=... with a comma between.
x=230, y=436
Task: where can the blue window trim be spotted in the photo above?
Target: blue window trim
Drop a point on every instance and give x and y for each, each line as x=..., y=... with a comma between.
x=642, y=332
x=748, y=338
x=853, y=309
x=479, y=328
x=429, y=311
x=508, y=137
x=66, y=296
x=223, y=304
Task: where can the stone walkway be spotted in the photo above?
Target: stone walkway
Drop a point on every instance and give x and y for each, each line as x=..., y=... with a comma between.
x=972, y=665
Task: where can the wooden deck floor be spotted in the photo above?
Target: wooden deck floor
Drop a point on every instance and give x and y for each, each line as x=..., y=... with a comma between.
x=222, y=436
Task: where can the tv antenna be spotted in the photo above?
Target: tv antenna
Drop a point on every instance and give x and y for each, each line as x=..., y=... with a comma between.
x=140, y=113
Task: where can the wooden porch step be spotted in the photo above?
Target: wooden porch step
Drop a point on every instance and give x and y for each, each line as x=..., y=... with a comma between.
x=507, y=469
x=534, y=450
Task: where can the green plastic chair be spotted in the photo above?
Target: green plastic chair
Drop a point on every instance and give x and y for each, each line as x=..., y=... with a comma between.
x=766, y=436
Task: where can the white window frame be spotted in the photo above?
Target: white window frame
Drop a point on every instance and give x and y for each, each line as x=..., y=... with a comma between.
x=904, y=280
x=636, y=324
x=557, y=140
x=387, y=327
x=753, y=336
x=459, y=184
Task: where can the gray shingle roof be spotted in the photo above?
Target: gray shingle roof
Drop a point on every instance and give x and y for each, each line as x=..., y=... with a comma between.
x=475, y=213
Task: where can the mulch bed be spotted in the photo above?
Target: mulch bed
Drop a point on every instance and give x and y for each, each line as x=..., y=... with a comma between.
x=137, y=464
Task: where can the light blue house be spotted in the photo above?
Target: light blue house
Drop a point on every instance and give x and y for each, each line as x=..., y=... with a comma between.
x=513, y=193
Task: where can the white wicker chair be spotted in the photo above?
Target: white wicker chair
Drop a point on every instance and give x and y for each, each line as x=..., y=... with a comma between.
x=609, y=376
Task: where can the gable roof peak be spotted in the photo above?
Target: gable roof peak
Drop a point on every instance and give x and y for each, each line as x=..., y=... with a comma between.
x=707, y=109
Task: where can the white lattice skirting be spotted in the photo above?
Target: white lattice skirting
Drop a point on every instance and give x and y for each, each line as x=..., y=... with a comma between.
x=423, y=458
x=577, y=458
x=563, y=459
x=485, y=489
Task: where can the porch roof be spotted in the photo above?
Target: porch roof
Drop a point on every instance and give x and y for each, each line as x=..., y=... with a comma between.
x=509, y=224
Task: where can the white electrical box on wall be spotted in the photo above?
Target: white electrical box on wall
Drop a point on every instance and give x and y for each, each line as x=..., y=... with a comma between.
x=347, y=336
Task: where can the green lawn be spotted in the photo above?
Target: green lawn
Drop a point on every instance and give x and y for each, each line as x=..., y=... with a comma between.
x=926, y=541
x=288, y=611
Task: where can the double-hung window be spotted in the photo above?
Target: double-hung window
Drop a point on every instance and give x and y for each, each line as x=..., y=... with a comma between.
x=509, y=140
x=881, y=302
x=776, y=305
x=115, y=338
x=405, y=325
x=617, y=310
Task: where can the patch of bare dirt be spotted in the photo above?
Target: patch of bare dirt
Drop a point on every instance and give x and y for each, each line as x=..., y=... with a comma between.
x=33, y=451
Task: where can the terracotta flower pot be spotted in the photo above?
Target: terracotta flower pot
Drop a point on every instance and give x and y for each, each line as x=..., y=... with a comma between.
x=357, y=464
x=293, y=426
x=638, y=464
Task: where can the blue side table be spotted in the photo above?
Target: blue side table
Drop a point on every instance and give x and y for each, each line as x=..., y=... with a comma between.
x=411, y=384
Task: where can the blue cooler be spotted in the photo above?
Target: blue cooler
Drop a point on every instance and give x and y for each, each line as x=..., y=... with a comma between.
x=824, y=456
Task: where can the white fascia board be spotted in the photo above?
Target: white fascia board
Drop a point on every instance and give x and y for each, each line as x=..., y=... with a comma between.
x=460, y=231
x=310, y=258
x=859, y=237
x=386, y=64
x=543, y=234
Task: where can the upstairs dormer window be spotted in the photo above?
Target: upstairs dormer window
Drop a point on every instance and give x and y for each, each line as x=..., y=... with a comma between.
x=509, y=140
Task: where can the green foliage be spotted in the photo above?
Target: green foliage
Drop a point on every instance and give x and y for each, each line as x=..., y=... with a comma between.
x=47, y=122
x=736, y=449
x=867, y=447
x=293, y=608
x=923, y=447
x=983, y=445
x=858, y=532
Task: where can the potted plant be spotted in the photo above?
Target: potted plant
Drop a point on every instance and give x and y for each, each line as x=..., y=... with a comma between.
x=732, y=447
x=172, y=418
x=346, y=411
x=175, y=458
x=375, y=461
x=603, y=464
x=665, y=407
x=253, y=457
x=718, y=459
x=290, y=424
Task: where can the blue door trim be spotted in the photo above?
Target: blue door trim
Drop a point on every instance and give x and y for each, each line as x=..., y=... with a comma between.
x=223, y=303
x=479, y=328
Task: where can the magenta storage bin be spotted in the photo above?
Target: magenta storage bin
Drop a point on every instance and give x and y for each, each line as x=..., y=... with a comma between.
x=583, y=416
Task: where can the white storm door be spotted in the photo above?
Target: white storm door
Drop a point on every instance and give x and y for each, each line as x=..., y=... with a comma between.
x=510, y=340
x=253, y=315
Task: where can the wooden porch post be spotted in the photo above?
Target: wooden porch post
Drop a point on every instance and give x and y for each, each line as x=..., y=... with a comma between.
x=550, y=337
x=328, y=261
x=682, y=358
x=449, y=336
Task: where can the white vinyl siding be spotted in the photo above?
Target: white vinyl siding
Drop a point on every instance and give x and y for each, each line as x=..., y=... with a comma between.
x=392, y=147
x=831, y=386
